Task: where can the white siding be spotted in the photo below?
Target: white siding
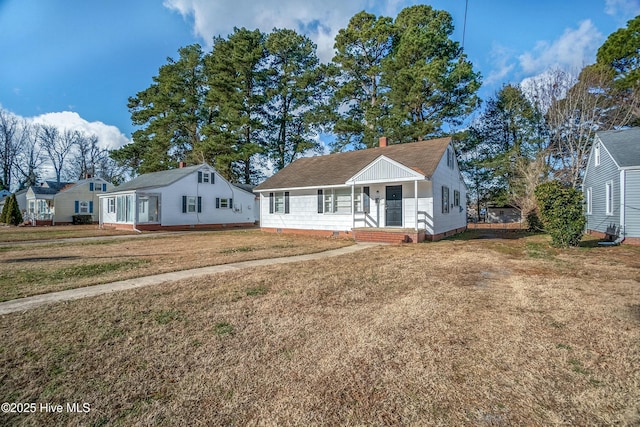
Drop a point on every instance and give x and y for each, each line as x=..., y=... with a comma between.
x=457, y=216
x=170, y=203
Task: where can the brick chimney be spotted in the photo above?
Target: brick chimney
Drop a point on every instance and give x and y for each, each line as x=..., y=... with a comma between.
x=382, y=142
x=181, y=165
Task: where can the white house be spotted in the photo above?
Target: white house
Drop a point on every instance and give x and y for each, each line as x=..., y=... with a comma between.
x=188, y=197
x=611, y=186
x=403, y=192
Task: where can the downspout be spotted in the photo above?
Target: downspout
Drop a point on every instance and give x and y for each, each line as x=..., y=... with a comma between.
x=623, y=219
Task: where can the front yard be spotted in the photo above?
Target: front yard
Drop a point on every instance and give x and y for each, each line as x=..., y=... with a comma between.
x=493, y=332
x=35, y=268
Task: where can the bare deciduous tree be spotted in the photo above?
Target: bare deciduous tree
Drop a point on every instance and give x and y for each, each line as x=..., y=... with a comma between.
x=576, y=110
x=10, y=146
x=30, y=158
x=58, y=145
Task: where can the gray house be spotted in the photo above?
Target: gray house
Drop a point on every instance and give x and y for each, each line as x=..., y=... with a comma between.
x=612, y=186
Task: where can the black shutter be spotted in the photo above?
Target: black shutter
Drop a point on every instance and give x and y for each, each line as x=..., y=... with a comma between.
x=213, y=178
x=320, y=202
x=270, y=203
x=366, y=201
x=286, y=202
x=199, y=177
x=230, y=203
x=184, y=204
x=199, y=204
x=217, y=202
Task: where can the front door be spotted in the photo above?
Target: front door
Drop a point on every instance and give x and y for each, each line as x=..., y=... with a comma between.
x=393, y=206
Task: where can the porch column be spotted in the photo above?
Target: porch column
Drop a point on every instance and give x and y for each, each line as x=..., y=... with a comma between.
x=415, y=196
x=353, y=206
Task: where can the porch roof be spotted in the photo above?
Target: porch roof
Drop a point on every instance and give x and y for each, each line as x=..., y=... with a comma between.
x=336, y=169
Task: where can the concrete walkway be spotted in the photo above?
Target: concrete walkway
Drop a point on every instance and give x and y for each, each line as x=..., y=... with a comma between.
x=23, y=304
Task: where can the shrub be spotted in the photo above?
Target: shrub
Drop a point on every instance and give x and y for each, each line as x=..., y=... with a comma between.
x=5, y=210
x=533, y=222
x=561, y=212
x=82, y=219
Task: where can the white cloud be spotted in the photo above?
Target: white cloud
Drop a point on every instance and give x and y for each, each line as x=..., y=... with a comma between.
x=321, y=21
x=573, y=50
x=109, y=136
x=500, y=57
x=623, y=9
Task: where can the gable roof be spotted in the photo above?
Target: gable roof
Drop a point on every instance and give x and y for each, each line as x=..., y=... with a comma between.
x=623, y=145
x=49, y=187
x=336, y=169
x=156, y=179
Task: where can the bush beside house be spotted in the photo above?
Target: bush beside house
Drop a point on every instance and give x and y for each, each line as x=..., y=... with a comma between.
x=562, y=213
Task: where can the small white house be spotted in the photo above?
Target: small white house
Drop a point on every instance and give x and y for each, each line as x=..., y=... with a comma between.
x=404, y=192
x=188, y=197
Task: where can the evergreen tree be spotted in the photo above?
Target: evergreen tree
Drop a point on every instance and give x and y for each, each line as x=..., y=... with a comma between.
x=358, y=102
x=236, y=78
x=5, y=210
x=295, y=93
x=171, y=114
x=13, y=215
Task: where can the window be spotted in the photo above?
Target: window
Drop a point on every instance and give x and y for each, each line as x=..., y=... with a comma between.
x=609, y=197
x=84, y=207
x=456, y=198
x=224, y=203
x=124, y=208
x=589, y=201
x=111, y=205
x=336, y=200
x=445, y=199
x=191, y=204
x=362, y=201
x=596, y=155
x=204, y=177
x=279, y=203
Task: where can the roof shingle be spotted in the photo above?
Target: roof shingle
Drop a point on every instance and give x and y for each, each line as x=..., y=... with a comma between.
x=624, y=145
x=336, y=169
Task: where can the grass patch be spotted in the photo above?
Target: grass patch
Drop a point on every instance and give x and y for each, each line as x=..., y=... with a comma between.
x=257, y=291
x=168, y=316
x=222, y=329
x=238, y=250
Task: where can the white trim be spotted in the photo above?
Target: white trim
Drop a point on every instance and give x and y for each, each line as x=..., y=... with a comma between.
x=589, y=201
x=623, y=191
x=608, y=198
x=380, y=159
x=316, y=187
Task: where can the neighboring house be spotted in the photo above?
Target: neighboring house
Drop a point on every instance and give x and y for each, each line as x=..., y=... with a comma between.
x=403, y=192
x=611, y=185
x=20, y=198
x=52, y=203
x=499, y=214
x=80, y=198
x=39, y=201
x=188, y=197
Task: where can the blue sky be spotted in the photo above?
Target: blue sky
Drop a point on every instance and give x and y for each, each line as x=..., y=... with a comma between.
x=75, y=63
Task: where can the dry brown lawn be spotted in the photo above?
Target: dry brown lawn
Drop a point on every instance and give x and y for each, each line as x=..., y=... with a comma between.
x=21, y=234
x=487, y=332
x=31, y=269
